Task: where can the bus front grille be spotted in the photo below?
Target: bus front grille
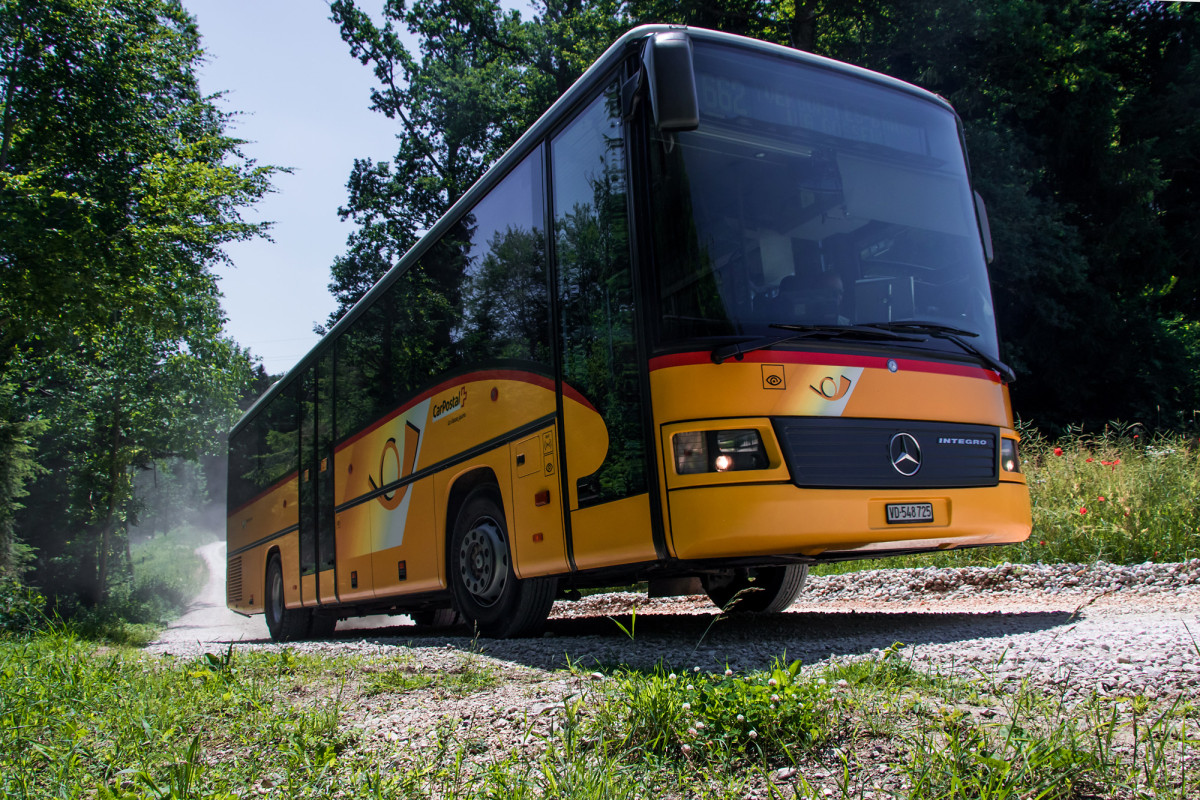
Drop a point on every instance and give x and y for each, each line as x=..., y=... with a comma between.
x=876, y=454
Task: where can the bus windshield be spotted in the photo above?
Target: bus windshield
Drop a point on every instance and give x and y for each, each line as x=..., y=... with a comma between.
x=810, y=197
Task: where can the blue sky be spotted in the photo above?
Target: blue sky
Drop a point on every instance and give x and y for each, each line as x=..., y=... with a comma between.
x=304, y=104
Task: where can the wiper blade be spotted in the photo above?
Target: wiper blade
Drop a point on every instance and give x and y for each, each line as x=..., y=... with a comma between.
x=950, y=334
x=920, y=326
x=852, y=331
x=738, y=350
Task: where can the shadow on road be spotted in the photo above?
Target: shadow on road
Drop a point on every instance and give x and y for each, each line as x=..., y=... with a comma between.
x=742, y=642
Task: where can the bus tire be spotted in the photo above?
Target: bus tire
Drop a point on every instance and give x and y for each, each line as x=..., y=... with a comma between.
x=486, y=589
x=322, y=626
x=435, y=618
x=767, y=590
x=285, y=624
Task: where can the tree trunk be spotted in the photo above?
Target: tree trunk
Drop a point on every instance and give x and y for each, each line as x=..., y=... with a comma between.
x=114, y=477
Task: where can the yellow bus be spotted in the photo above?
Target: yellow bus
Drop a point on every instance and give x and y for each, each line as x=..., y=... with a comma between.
x=722, y=313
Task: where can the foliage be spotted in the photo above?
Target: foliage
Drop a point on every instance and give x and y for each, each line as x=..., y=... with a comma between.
x=22, y=609
x=118, y=186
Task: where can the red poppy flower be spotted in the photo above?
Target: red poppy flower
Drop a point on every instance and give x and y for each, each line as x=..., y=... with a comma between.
x=1083, y=510
x=1058, y=451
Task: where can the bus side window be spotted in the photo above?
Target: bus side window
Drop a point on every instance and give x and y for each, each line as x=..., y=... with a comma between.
x=595, y=291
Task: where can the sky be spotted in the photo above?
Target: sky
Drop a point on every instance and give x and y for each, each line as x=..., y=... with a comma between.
x=304, y=104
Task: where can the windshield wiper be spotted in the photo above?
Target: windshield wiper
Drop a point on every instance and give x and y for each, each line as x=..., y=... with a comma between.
x=950, y=334
x=738, y=350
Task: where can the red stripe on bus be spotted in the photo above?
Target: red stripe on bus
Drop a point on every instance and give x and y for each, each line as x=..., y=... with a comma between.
x=829, y=360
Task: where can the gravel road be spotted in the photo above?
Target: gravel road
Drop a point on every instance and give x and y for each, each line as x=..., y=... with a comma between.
x=1096, y=627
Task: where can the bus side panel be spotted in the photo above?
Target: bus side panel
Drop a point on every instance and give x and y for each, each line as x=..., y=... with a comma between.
x=408, y=562
x=613, y=533
x=247, y=530
x=352, y=535
x=536, y=528
x=274, y=511
x=289, y=558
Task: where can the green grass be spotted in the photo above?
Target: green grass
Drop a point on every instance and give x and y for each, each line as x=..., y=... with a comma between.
x=79, y=720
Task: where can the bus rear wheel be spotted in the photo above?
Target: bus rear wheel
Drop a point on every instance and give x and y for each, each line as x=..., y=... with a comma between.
x=284, y=624
x=758, y=589
x=486, y=589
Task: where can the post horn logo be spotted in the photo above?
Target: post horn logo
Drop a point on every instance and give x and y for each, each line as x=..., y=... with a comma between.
x=412, y=436
x=905, y=453
x=831, y=389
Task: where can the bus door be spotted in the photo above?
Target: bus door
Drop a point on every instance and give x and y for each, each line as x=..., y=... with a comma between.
x=317, y=557
x=605, y=443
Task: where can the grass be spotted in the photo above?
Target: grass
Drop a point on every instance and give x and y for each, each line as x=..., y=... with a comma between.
x=78, y=720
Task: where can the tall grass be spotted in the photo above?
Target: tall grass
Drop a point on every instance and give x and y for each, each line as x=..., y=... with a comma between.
x=1116, y=496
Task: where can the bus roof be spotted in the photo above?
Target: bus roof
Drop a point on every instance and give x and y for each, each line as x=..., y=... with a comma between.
x=578, y=91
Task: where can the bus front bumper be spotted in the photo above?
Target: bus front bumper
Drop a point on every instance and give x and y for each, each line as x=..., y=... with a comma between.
x=776, y=519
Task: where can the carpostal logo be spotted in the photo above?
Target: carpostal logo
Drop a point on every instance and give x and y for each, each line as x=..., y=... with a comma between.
x=450, y=404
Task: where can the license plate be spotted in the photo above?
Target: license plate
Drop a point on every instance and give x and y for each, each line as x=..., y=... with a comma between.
x=903, y=513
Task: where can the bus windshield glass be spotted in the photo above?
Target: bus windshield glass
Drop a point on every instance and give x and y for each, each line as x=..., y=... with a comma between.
x=812, y=197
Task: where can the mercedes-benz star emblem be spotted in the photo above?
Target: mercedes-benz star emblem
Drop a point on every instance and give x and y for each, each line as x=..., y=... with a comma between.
x=905, y=453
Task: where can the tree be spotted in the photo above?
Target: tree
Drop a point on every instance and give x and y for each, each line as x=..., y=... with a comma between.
x=480, y=77
x=118, y=186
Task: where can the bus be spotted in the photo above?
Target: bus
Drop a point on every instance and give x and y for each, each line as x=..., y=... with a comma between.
x=722, y=313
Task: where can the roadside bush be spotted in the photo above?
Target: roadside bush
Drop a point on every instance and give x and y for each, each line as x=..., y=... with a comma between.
x=22, y=608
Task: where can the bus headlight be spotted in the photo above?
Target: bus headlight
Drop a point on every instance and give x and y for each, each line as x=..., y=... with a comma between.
x=1010, y=460
x=718, y=451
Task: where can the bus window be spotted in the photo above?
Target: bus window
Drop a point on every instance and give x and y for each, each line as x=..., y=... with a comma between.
x=595, y=291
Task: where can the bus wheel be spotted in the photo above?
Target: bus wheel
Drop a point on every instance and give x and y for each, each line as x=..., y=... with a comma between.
x=486, y=590
x=322, y=626
x=285, y=624
x=762, y=589
x=435, y=618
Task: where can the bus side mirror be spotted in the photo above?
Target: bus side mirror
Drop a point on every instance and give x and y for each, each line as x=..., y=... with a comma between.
x=985, y=228
x=667, y=60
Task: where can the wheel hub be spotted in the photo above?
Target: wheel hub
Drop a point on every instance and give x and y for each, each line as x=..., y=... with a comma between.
x=483, y=561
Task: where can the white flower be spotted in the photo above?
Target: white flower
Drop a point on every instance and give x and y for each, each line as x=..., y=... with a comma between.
x=691, y=731
x=843, y=683
x=672, y=676
x=687, y=748
x=699, y=726
x=728, y=673
x=772, y=682
x=695, y=669
x=821, y=681
x=687, y=706
x=740, y=718
x=774, y=698
x=753, y=734
x=690, y=687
